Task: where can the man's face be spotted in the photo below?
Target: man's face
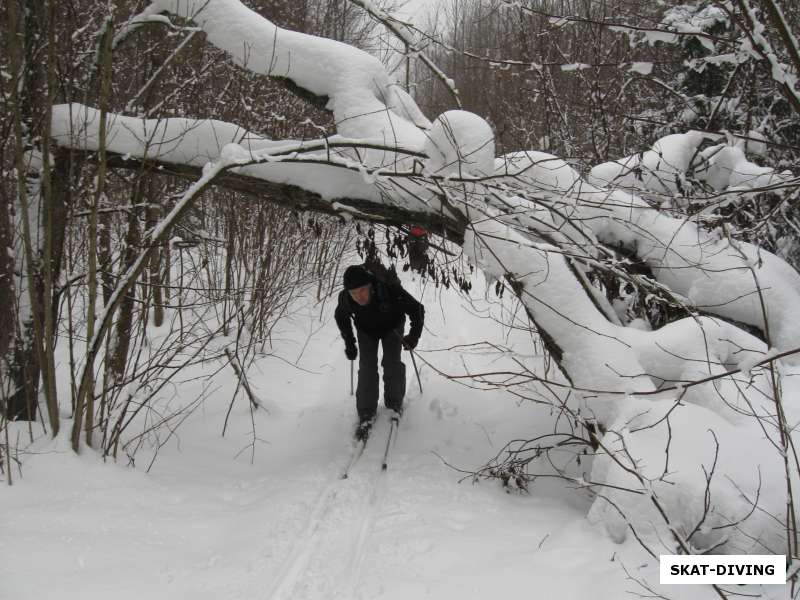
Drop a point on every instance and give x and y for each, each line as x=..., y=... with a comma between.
x=361, y=294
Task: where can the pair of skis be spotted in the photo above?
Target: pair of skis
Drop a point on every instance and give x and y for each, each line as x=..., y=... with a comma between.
x=358, y=450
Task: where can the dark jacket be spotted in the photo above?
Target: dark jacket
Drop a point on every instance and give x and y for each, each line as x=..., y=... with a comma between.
x=385, y=311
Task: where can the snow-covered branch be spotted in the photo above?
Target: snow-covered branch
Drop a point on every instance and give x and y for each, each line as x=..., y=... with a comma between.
x=364, y=100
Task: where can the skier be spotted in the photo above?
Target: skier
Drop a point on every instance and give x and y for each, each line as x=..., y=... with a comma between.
x=379, y=308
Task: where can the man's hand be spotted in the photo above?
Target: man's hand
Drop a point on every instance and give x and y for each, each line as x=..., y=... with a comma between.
x=410, y=342
x=350, y=351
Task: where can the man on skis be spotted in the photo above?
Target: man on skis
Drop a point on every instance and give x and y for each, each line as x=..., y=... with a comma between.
x=378, y=308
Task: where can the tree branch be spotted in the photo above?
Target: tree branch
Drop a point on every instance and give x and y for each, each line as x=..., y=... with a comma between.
x=294, y=197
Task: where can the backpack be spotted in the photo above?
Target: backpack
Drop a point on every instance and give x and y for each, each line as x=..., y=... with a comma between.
x=387, y=276
x=388, y=290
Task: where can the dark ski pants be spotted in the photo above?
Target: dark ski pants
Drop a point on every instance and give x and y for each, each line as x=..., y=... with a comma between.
x=394, y=372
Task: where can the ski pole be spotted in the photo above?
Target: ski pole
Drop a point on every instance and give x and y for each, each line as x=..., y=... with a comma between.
x=351, y=377
x=413, y=361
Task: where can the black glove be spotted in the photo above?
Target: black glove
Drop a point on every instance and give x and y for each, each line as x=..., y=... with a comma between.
x=410, y=342
x=350, y=350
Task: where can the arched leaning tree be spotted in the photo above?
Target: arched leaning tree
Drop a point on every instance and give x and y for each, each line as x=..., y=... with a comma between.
x=691, y=420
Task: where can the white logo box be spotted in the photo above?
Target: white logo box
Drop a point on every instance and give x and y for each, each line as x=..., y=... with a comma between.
x=691, y=569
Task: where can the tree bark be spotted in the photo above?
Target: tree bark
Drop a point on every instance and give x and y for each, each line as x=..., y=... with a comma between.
x=8, y=300
x=123, y=331
x=33, y=93
x=296, y=198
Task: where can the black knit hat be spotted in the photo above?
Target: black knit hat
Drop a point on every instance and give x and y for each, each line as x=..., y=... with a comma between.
x=356, y=276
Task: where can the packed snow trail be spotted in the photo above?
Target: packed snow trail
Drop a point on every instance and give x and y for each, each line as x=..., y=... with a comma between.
x=298, y=558
x=296, y=563
x=374, y=503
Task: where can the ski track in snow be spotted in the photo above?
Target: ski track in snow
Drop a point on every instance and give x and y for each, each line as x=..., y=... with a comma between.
x=319, y=535
x=298, y=558
x=374, y=504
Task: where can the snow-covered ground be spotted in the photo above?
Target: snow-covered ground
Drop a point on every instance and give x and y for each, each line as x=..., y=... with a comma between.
x=214, y=518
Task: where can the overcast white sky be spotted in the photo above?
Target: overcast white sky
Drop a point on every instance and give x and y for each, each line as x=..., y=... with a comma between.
x=416, y=9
